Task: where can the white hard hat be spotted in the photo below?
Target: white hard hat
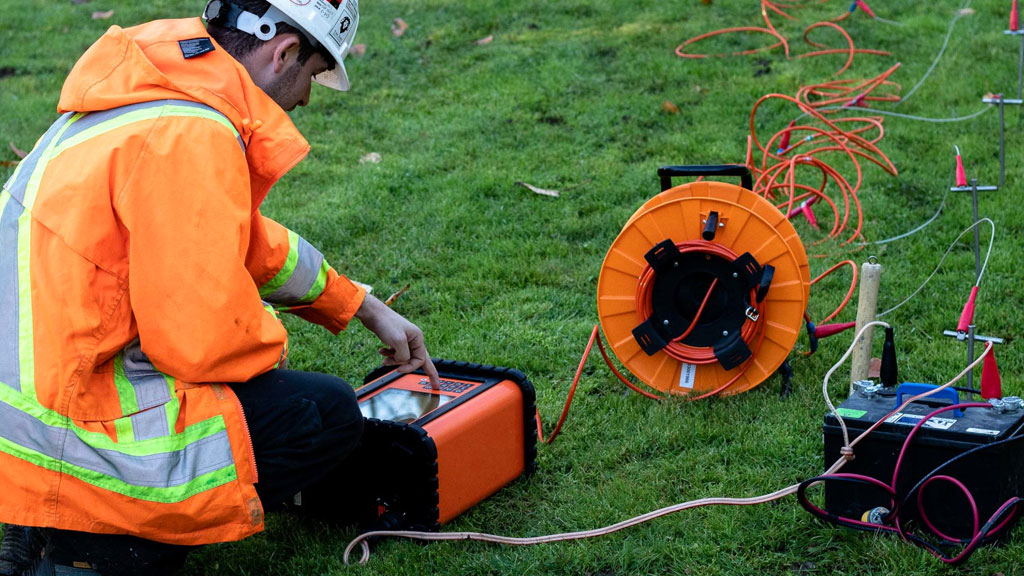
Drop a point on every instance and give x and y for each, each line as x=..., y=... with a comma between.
x=328, y=23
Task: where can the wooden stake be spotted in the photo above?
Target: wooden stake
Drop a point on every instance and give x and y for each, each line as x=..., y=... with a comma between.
x=867, y=308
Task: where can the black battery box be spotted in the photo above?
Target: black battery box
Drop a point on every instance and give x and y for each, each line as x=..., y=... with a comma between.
x=992, y=475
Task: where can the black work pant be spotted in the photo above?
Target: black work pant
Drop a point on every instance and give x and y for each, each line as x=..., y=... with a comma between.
x=303, y=426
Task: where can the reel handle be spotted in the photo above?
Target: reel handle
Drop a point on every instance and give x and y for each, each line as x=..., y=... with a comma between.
x=666, y=173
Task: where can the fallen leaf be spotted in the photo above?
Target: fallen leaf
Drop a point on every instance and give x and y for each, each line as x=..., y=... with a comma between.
x=102, y=15
x=357, y=50
x=541, y=191
x=8, y=163
x=966, y=11
x=391, y=299
x=398, y=27
x=372, y=158
x=669, y=107
x=486, y=40
x=17, y=151
x=706, y=2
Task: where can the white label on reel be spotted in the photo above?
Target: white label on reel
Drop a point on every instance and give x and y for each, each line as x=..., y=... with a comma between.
x=687, y=374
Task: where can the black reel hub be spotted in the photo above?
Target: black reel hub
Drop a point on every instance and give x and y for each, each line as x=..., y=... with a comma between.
x=680, y=285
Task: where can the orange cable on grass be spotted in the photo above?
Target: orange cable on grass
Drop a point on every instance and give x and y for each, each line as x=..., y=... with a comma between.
x=849, y=293
x=595, y=336
x=776, y=175
x=782, y=42
x=572, y=392
x=855, y=138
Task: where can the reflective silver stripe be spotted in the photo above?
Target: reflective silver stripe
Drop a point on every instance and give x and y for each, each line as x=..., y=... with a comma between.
x=150, y=385
x=10, y=364
x=94, y=119
x=151, y=424
x=19, y=182
x=151, y=390
x=303, y=277
x=161, y=470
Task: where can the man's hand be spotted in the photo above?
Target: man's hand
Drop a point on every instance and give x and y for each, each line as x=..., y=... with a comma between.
x=403, y=340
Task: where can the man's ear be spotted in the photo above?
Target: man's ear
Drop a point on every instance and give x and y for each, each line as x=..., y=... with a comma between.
x=285, y=51
x=266, y=63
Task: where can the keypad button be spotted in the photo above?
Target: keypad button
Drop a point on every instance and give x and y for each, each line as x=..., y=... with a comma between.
x=448, y=386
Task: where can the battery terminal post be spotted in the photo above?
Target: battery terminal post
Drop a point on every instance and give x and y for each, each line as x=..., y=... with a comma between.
x=1007, y=405
x=866, y=388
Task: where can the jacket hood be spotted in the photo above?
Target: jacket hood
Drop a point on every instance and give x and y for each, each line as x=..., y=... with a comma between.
x=148, y=62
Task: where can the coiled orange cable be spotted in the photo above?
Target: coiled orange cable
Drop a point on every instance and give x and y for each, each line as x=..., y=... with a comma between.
x=676, y=349
x=780, y=173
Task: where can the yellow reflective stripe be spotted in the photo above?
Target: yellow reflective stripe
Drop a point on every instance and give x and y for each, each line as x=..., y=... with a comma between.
x=319, y=284
x=33, y=184
x=129, y=400
x=14, y=177
x=140, y=115
x=284, y=351
x=286, y=271
x=26, y=353
x=207, y=480
x=125, y=390
x=98, y=440
x=125, y=430
x=4, y=198
x=129, y=403
x=25, y=341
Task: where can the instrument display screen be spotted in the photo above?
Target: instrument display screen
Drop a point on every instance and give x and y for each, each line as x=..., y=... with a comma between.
x=399, y=405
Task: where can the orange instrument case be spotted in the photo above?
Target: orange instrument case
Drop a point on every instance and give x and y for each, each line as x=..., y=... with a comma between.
x=433, y=454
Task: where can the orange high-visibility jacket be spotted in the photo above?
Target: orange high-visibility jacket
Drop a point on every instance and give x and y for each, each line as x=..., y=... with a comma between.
x=137, y=273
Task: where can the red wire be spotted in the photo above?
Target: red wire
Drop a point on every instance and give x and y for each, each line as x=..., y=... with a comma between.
x=963, y=489
x=897, y=527
x=849, y=293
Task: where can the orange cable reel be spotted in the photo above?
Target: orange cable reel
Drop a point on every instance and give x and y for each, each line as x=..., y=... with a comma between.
x=705, y=288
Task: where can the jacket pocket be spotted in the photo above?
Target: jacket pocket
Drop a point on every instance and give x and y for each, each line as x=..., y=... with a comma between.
x=131, y=390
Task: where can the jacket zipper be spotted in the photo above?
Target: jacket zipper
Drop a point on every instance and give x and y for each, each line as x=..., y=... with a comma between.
x=248, y=438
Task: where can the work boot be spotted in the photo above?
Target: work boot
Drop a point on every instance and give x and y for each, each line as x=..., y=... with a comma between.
x=21, y=546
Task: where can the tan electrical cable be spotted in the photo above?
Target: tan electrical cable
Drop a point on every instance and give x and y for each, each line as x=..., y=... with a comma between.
x=846, y=451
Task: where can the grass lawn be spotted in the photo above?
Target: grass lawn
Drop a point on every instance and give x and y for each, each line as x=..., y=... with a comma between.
x=478, y=95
